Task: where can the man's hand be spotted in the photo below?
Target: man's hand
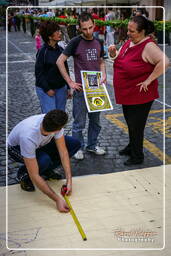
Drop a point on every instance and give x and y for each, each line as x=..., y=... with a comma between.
x=103, y=80
x=33, y=170
x=75, y=86
x=62, y=206
x=51, y=93
x=69, y=187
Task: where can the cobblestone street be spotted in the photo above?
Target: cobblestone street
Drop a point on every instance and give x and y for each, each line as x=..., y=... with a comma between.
x=23, y=102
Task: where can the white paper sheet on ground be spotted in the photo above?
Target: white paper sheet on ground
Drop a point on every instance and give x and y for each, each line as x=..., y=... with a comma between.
x=118, y=210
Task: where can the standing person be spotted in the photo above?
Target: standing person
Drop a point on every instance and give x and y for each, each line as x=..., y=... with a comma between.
x=38, y=40
x=87, y=52
x=72, y=30
x=39, y=143
x=142, y=12
x=109, y=29
x=18, y=20
x=51, y=88
x=137, y=66
x=122, y=32
x=11, y=21
x=50, y=13
x=102, y=28
x=96, y=28
x=63, y=27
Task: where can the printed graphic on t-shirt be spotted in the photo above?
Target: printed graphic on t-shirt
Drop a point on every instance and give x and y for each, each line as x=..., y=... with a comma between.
x=91, y=54
x=87, y=55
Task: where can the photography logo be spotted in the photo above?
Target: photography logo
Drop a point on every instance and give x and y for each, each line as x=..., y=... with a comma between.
x=135, y=235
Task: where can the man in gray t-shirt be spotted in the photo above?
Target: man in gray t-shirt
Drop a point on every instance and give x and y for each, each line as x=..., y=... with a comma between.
x=38, y=142
x=87, y=52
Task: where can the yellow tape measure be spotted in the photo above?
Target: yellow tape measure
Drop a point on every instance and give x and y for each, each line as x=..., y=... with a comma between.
x=80, y=229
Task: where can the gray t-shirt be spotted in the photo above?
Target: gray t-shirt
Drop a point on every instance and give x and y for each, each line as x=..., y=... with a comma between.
x=86, y=53
x=27, y=135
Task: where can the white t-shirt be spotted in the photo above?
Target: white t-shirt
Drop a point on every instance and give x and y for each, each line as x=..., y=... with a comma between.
x=28, y=136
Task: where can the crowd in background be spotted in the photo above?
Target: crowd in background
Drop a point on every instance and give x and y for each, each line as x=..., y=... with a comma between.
x=108, y=34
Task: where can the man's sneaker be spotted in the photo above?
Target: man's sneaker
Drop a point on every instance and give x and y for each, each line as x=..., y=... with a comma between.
x=79, y=155
x=24, y=179
x=97, y=150
x=22, y=171
x=51, y=174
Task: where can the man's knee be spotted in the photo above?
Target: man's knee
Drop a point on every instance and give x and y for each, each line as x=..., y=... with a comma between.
x=44, y=161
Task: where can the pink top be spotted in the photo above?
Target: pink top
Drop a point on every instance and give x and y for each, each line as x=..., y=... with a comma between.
x=129, y=70
x=38, y=42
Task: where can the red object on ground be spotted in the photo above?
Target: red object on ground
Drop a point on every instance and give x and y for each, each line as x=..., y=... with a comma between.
x=63, y=190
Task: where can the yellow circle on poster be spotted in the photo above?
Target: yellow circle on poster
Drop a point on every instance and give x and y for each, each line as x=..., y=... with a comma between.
x=97, y=101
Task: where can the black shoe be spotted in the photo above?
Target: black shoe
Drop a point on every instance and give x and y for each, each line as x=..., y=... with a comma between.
x=26, y=183
x=133, y=161
x=50, y=174
x=24, y=179
x=22, y=171
x=126, y=151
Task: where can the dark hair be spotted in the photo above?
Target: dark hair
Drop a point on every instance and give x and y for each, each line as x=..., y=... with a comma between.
x=95, y=10
x=54, y=120
x=84, y=16
x=140, y=11
x=47, y=28
x=143, y=23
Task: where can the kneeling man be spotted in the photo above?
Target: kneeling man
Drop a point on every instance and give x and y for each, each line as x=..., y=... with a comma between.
x=38, y=142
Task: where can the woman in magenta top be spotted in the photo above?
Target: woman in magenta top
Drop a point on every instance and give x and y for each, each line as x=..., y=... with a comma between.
x=138, y=64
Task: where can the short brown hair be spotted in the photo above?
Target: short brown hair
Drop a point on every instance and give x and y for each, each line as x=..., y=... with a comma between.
x=84, y=16
x=47, y=28
x=54, y=120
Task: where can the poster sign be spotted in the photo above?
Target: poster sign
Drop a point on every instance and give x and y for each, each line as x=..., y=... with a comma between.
x=95, y=93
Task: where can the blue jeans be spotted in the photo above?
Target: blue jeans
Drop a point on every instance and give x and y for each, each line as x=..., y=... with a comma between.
x=79, y=113
x=48, y=103
x=48, y=155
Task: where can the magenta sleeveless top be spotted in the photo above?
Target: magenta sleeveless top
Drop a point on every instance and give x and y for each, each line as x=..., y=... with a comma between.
x=129, y=70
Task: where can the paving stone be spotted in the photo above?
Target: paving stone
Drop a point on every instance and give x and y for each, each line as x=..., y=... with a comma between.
x=23, y=102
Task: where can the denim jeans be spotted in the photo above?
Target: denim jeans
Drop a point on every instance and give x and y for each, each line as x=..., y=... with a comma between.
x=48, y=155
x=109, y=38
x=79, y=114
x=48, y=103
